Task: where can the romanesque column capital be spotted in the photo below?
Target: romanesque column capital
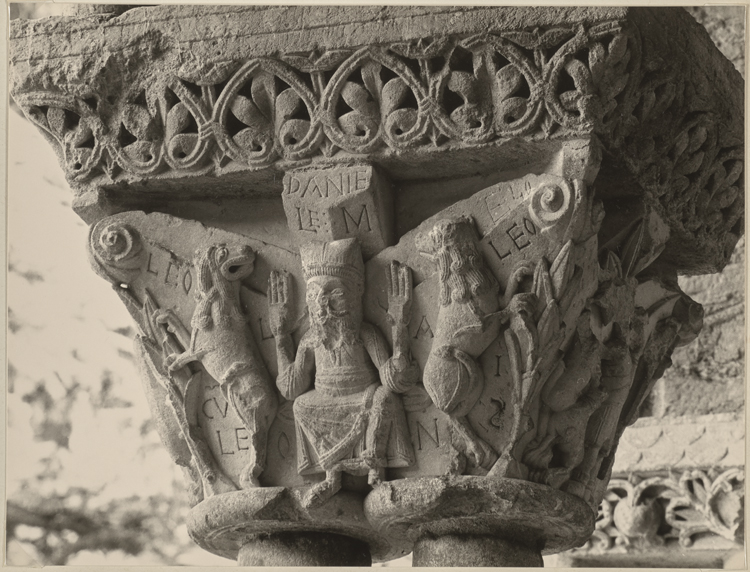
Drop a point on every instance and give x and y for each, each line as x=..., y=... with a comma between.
x=402, y=275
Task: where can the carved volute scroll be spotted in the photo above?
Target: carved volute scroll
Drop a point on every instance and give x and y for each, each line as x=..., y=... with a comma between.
x=438, y=273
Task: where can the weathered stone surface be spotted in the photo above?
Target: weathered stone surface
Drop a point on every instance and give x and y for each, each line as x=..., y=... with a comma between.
x=223, y=524
x=304, y=549
x=688, y=518
x=473, y=550
x=708, y=376
x=682, y=442
x=436, y=275
x=511, y=509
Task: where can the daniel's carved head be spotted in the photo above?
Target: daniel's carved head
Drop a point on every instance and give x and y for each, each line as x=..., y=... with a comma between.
x=334, y=273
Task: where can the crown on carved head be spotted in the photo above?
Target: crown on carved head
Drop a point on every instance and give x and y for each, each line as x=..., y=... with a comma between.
x=339, y=258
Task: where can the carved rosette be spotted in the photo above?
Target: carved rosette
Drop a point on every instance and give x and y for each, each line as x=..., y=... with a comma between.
x=339, y=363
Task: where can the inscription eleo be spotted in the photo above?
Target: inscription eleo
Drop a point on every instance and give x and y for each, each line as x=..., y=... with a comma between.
x=498, y=203
x=520, y=234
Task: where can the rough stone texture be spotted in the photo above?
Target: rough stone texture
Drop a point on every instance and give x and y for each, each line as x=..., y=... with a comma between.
x=462, y=354
x=691, y=519
x=709, y=376
x=468, y=551
x=304, y=549
x=525, y=513
x=726, y=26
x=223, y=524
x=704, y=442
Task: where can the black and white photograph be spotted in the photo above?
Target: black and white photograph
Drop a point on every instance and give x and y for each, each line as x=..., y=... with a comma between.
x=373, y=285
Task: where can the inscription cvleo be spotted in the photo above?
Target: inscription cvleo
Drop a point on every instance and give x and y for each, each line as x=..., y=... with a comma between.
x=229, y=440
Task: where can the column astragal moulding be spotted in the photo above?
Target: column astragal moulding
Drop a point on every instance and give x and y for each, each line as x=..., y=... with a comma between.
x=402, y=275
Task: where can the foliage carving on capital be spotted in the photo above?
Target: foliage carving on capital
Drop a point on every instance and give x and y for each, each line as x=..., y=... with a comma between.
x=465, y=90
x=427, y=95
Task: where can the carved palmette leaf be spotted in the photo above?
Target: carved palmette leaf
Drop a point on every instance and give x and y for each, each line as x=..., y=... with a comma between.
x=514, y=112
x=399, y=122
x=562, y=270
x=361, y=125
x=370, y=71
x=509, y=80
x=181, y=134
x=359, y=99
x=246, y=111
x=291, y=131
x=139, y=122
x=394, y=93
x=263, y=90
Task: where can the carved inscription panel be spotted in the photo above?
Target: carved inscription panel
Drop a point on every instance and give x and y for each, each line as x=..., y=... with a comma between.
x=340, y=202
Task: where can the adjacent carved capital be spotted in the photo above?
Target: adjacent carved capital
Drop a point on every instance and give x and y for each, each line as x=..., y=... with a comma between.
x=678, y=510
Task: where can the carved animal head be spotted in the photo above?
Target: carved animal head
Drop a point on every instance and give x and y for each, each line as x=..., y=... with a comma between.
x=452, y=244
x=219, y=266
x=232, y=262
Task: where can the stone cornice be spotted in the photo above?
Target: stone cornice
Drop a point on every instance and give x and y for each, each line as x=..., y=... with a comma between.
x=143, y=101
x=659, y=444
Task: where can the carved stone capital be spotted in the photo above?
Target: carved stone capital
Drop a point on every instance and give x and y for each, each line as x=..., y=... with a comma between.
x=400, y=276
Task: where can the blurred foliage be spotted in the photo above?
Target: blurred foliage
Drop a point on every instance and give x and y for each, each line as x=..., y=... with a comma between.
x=88, y=480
